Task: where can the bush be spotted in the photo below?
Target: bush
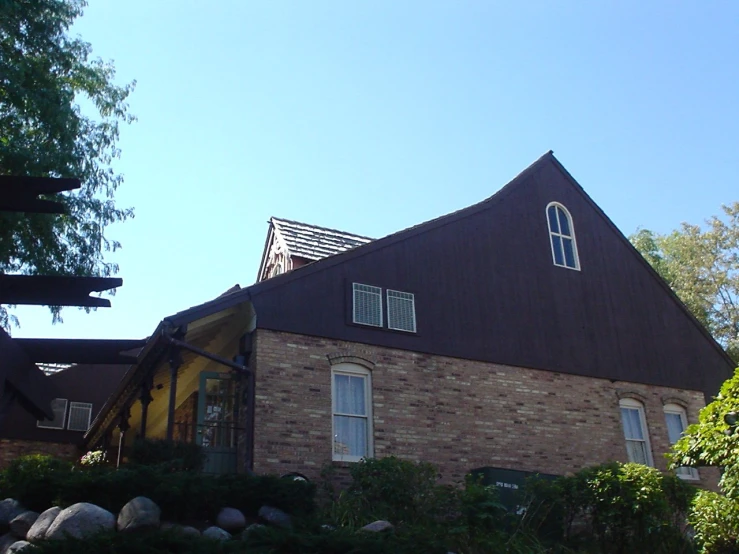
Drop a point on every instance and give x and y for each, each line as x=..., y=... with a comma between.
x=715, y=519
x=39, y=482
x=178, y=456
x=34, y=480
x=620, y=508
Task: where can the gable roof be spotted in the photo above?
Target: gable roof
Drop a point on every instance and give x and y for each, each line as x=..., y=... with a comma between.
x=481, y=247
x=313, y=242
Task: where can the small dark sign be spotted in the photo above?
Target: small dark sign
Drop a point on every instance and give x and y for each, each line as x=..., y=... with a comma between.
x=509, y=482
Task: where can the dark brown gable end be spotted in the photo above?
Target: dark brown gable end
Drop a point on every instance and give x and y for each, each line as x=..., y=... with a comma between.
x=486, y=289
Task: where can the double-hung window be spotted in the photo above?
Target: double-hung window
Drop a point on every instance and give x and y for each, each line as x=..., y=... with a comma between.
x=59, y=407
x=80, y=414
x=677, y=422
x=351, y=392
x=562, y=236
x=635, y=432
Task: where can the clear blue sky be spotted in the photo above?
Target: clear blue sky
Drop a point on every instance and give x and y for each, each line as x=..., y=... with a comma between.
x=374, y=116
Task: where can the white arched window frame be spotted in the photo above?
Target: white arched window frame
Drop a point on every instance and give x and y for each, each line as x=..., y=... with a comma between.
x=676, y=419
x=351, y=399
x=562, y=236
x=636, y=432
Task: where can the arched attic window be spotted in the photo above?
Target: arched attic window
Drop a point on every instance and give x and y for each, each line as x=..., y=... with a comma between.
x=562, y=236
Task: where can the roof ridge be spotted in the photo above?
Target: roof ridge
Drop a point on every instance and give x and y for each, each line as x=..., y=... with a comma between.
x=336, y=231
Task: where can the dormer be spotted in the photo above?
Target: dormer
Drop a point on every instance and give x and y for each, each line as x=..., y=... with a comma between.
x=291, y=245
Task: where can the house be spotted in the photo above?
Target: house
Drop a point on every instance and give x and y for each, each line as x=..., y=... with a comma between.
x=521, y=333
x=81, y=390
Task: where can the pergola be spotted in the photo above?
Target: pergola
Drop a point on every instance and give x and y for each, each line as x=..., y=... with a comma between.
x=20, y=379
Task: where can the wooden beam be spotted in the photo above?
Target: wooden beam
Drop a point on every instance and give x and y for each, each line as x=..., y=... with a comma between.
x=81, y=351
x=47, y=290
x=20, y=194
x=175, y=361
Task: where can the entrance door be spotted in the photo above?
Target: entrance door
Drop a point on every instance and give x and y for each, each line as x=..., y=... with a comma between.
x=218, y=421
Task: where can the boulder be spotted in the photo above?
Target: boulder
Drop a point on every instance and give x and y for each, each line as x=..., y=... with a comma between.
x=216, y=533
x=253, y=527
x=231, y=520
x=21, y=523
x=80, y=520
x=9, y=509
x=377, y=526
x=37, y=532
x=180, y=529
x=139, y=513
x=19, y=546
x=275, y=516
x=5, y=541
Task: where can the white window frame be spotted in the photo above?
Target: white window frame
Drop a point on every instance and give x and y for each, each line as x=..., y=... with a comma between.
x=352, y=370
x=375, y=291
x=402, y=297
x=79, y=405
x=46, y=424
x=688, y=473
x=631, y=404
x=562, y=236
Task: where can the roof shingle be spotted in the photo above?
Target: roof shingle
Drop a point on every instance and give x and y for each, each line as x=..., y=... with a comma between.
x=314, y=243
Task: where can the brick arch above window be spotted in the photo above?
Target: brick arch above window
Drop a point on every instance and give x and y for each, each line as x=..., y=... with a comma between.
x=348, y=357
x=684, y=404
x=631, y=394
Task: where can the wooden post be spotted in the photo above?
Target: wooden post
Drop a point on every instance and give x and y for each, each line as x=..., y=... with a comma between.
x=145, y=399
x=175, y=361
x=123, y=426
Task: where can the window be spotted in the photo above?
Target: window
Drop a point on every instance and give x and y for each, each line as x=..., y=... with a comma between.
x=401, y=312
x=367, y=305
x=59, y=407
x=677, y=421
x=562, y=236
x=635, y=432
x=351, y=387
x=79, y=416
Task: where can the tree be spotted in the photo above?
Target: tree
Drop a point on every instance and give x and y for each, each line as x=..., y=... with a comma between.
x=702, y=267
x=59, y=117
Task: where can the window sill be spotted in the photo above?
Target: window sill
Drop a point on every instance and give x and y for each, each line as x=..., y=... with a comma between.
x=384, y=329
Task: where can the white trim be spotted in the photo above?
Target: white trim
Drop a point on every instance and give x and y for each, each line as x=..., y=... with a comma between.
x=402, y=297
x=367, y=290
x=79, y=406
x=562, y=236
x=687, y=473
x=631, y=404
x=352, y=370
x=46, y=424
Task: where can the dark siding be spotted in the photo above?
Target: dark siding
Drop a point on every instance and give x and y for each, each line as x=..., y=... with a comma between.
x=80, y=383
x=486, y=289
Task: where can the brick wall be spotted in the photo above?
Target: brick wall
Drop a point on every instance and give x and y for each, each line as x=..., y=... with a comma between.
x=458, y=414
x=10, y=449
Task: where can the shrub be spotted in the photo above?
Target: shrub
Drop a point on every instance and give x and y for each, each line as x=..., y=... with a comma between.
x=178, y=456
x=34, y=480
x=715, y=519
x=621, y=508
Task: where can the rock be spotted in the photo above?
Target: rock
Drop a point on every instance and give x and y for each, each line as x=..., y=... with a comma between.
x=377, y=526
x=275, y=516
x=249, y=530
x=9, y=509
x=216, y=533
x=231, y=519
x=139, y=513
x=80, y=520
x=5, y=541
x=328, y=528
x=21, y=523
x=19, y=546
x=37, y=532
x=180, y=529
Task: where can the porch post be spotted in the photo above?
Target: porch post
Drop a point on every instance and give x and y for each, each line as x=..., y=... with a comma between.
x=145, y=399
x=123, y=426
x=175, y=361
